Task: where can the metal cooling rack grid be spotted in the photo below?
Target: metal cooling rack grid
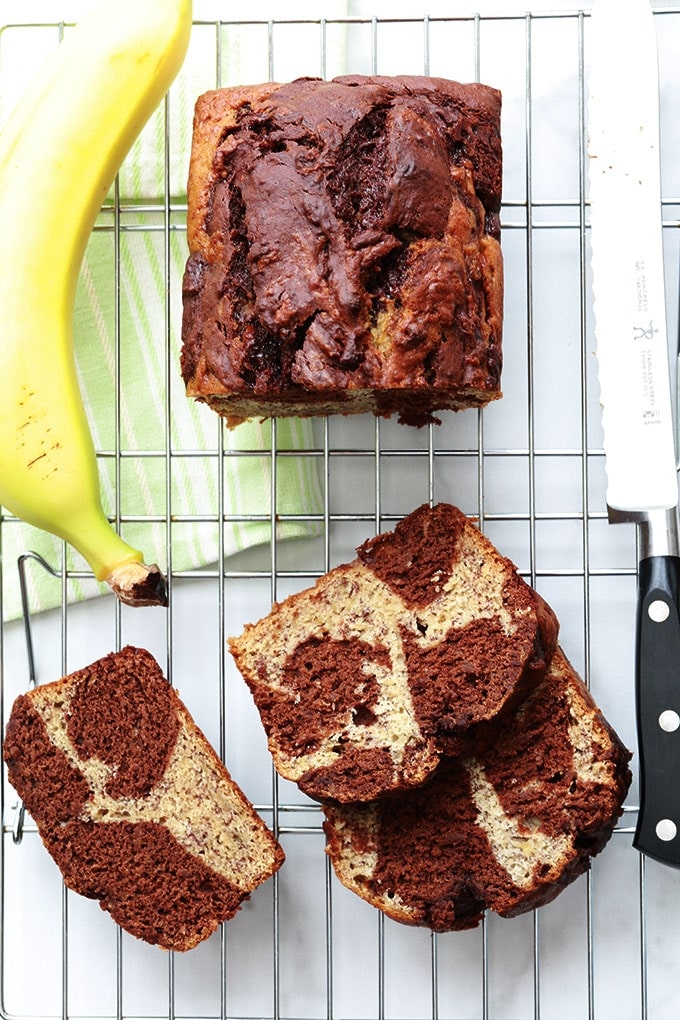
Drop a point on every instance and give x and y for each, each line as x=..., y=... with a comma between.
x=529, y=466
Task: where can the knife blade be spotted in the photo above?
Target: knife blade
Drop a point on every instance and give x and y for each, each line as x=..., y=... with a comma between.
x=634, y=374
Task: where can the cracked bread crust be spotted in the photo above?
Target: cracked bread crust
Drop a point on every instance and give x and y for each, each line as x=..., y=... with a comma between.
x=344, y=248
x=132, y=802
x=421, y=645
x=505, y=829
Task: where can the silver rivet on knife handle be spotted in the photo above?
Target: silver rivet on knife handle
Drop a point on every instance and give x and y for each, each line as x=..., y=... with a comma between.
x=666, y=829
x=669, y=721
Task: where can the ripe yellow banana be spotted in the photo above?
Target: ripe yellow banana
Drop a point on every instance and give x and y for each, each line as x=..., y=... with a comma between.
x=59, y=154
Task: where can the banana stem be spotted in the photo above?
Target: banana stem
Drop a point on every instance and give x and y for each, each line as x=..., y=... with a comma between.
x=138, y=584
x=115, y=562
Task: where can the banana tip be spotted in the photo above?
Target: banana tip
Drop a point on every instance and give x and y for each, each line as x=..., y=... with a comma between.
x=138, y=584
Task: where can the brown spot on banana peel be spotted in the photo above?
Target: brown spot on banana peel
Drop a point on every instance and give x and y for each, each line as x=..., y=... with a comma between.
x=138, y=584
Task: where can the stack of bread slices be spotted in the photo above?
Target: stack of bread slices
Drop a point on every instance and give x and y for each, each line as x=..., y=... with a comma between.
x=420, y=694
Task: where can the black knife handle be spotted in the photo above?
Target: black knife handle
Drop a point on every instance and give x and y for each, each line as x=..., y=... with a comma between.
x=658, y=708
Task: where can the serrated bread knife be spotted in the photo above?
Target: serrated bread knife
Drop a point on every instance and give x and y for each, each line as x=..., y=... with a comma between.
x=634, y=372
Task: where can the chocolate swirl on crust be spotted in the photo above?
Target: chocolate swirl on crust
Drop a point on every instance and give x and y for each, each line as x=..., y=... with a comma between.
x=344, y=238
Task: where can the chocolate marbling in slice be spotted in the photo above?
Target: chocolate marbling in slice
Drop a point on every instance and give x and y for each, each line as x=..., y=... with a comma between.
x=414, y=650
x=505, y=828
x=133, y=803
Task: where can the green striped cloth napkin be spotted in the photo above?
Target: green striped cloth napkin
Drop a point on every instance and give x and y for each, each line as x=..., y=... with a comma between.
x=127, y=337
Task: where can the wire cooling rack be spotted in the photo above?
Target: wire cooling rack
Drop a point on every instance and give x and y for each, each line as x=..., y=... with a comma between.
x=530, y=467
